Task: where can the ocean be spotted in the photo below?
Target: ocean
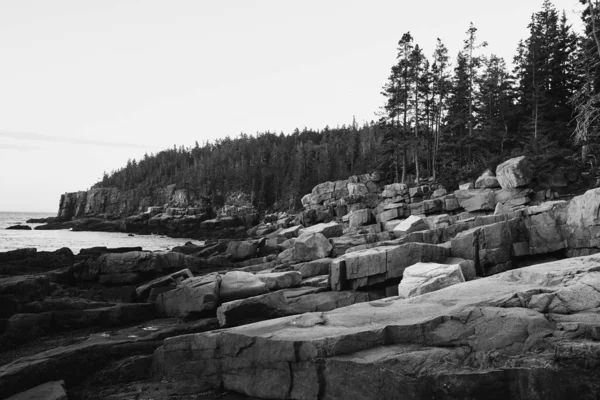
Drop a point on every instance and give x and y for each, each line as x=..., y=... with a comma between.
x=54, y=240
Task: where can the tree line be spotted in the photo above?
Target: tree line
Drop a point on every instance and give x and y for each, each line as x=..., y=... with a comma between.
x=441, y=119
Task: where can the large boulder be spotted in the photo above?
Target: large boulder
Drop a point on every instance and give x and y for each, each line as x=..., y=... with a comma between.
x=508, y=200
x=409, y=225
x=360, y=217
x=582, y=225
x=437, y=193
x=195, y=295
x=238, y=285
x=487, y=180
x=357, y=189
x=514, y=173
x=395, y=190
x=240, y=250
x=422, y=278
x=491, y=247
x=287, y=255
x=476, y=199
x=311, y=246
x=466, y=266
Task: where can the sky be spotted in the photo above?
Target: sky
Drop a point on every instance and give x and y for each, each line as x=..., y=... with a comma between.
x=86, y=85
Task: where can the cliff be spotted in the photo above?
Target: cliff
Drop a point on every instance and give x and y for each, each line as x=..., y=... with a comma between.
x=112, y=202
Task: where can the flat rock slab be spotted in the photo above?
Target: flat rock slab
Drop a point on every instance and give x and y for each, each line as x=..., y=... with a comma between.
x=325, y=301
x=444, y=338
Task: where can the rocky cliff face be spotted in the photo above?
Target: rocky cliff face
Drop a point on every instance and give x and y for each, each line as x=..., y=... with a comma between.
x=112, y=202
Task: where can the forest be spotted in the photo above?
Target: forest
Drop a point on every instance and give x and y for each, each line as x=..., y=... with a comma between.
x=441, y=119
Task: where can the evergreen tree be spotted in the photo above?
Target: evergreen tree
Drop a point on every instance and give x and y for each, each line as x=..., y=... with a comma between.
x=396, y=109
x=441, y=86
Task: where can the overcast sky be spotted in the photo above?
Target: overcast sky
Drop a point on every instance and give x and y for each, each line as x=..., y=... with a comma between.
x=87, y=84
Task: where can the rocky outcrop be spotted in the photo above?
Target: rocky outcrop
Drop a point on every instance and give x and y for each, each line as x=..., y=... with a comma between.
x=113, y=202
x=506, y=335
x=356, y=242
x=31, y=261
x=380, y=265
x=168, y=210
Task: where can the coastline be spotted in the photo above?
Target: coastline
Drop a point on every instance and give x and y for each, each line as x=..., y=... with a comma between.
x=51, y=240
x=399, y=282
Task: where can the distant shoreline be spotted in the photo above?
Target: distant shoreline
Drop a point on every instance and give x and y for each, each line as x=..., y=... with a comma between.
x=50, y=213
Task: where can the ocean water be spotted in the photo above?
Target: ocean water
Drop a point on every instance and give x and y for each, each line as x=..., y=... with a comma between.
x=53, y=240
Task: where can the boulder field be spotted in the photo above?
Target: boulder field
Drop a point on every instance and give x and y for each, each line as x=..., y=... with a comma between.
x=372, y=291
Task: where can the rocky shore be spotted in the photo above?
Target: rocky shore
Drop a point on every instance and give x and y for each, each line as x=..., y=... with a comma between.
x=373, y=291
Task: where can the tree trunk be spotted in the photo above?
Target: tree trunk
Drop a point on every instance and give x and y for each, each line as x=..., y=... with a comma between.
x=404, y=156
x=593, y=18
x=417, y=170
